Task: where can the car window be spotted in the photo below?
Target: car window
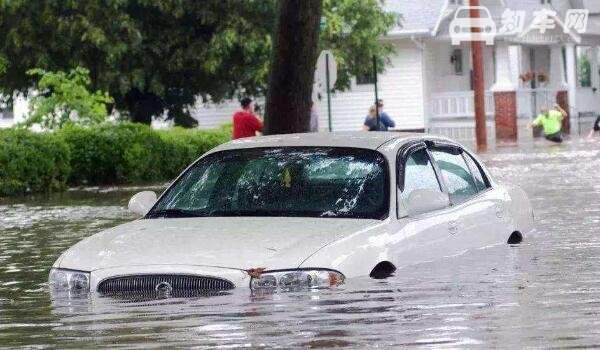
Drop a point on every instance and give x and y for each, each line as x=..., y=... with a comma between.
x=478, y=175
x=456, y=174
x=286, y=181
x=419, y=174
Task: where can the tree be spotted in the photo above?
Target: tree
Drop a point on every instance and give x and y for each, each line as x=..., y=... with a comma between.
x=64, y=98
x=352, y=31
x=295, y=46
x=156, y=56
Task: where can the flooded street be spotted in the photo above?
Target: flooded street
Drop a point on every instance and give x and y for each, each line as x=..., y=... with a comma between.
x=544, y=293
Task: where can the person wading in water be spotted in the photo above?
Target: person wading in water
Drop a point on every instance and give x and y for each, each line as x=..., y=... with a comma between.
x=551, y=121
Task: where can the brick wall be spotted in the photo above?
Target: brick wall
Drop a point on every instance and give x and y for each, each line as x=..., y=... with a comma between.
x=506, y=116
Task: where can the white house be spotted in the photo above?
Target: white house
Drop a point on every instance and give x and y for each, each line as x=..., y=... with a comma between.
x=427, y=85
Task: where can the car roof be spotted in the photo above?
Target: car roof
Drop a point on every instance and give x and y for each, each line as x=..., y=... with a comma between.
x=353, y=139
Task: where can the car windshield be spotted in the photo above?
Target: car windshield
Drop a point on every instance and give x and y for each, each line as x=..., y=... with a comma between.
x=288, y=181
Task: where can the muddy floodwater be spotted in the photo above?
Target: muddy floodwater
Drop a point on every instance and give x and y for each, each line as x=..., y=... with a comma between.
x=544, y=293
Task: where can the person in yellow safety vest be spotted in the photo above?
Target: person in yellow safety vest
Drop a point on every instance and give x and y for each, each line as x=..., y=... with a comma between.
x=551, y=121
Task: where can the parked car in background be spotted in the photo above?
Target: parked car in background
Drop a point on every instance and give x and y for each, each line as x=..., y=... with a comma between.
x=300, y=211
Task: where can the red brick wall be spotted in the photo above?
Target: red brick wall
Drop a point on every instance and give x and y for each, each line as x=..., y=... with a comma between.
x=506, y=115
x=562, y=99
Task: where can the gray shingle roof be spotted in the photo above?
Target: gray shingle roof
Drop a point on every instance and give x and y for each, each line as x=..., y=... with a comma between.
x=422, y=16
x=417, y=15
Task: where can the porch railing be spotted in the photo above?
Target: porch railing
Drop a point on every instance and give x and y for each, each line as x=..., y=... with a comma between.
x=531, y=101
x=459, y=104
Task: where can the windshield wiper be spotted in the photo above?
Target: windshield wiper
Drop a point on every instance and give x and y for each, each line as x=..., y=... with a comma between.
x=172, y=213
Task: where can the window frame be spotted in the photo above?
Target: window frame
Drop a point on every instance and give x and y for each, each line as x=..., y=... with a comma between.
x=486, y=180
x=386, y=213
x=402, y=158
x=441, y=145
x=414, y=146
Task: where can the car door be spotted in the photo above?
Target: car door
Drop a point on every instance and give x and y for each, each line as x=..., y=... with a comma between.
x=427, y=236
x=477, y=210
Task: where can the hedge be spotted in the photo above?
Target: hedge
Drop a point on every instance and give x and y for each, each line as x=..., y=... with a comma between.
x=32, y=162
x=124, y=153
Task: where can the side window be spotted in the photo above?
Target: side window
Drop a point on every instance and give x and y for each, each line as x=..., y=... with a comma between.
x=419, y=174
x=456, y=174
x=478, y=175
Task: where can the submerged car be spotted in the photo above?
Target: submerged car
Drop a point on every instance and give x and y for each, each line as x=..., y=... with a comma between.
x=296, y=211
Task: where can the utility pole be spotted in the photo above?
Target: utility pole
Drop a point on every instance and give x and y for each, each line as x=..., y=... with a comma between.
x=478, y=84
x=376, y=92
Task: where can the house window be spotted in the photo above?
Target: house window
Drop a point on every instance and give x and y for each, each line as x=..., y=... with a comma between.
x=546, y=2
x=365, y=79
x=584, y=66
x=456, y=2
x=457, y=61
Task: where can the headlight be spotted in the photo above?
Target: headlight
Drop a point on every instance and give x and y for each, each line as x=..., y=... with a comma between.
x=69, y=280
x=298, y=278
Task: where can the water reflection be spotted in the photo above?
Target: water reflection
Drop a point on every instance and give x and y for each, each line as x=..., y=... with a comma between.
x=542, y=293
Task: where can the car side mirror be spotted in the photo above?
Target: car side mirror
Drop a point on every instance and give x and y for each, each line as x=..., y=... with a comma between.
x=424, y=201
x=142, y=202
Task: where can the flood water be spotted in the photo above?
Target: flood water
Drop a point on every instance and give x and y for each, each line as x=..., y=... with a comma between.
x=544, y=293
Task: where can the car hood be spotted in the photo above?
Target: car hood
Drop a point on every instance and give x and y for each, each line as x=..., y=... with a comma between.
x=232, y=242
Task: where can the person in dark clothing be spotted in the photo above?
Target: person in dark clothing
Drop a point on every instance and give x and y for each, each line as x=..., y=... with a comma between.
x=596, y=127
x=385, y=121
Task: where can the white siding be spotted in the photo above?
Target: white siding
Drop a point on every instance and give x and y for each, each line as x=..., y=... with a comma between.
x=401, y=86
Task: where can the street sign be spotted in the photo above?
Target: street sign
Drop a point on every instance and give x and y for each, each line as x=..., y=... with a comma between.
x=321, y=71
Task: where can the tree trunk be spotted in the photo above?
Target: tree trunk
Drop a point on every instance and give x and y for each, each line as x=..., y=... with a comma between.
x=295, y=46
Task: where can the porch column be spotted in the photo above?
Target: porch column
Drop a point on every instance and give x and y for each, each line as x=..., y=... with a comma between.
x=505, y=92
x=557, y=81
x=569, y=99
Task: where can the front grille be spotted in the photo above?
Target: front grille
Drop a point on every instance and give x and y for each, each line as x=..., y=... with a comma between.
x=171, y=284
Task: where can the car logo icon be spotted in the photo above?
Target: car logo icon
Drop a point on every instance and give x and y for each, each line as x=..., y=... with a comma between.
x=462, y=25
x=164, y=287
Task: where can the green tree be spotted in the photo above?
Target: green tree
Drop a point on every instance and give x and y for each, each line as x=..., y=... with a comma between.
x=156, y=56
x=64, y=98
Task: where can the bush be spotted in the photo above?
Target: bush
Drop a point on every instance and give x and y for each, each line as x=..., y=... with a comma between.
x=31, y=162
x=103, y=155
x=183, y=146
x=134, y=153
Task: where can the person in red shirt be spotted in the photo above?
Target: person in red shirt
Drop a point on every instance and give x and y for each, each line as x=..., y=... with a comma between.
x=245, y=122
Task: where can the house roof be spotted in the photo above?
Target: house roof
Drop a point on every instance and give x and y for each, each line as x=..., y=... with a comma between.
x=432, y=18
x=417, y=16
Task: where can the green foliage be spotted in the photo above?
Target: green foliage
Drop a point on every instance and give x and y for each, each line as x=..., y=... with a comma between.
x=134, y=153
x=158, y=55
x=64, y=98
x=104, y=155
x=584, y=71
x=352, y=30
x=32, y=162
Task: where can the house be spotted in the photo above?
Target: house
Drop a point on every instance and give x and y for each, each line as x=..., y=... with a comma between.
x=427, y=84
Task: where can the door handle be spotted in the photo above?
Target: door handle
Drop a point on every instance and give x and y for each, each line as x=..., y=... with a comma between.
x=453, y=227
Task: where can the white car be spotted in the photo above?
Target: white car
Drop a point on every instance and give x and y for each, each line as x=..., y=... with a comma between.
x=296, y=211
x=461, y=25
